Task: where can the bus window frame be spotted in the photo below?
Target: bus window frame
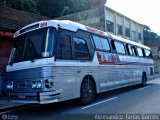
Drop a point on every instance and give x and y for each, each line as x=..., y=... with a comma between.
x=72, y=35
x=94, y=46
x=58, y=38
x=151, y=57
x=135, y=50
x=115, y=51
x=138, y=52
x=73, y=50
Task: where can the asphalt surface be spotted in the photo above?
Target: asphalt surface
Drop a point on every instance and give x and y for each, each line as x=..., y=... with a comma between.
x=127, y=103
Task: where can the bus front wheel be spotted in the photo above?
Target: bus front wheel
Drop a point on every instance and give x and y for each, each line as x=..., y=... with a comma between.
x=88, y=92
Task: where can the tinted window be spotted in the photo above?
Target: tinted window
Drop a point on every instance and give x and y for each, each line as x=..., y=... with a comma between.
x=140, y=53
x=105, y=44
x=101, y=43
x=131, y=50
x=97, y=42
x=64, y=49
x=148, y=53
x=113, y=46
x=34, y=45
x=81, y=49
x=119, y=47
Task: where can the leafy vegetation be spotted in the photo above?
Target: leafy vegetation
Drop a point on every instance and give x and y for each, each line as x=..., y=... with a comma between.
x=50, y=8
x=150, y=36
x=25, y=5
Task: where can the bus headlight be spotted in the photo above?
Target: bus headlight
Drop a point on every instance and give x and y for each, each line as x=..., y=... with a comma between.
x=9, y=85
x=37, y=84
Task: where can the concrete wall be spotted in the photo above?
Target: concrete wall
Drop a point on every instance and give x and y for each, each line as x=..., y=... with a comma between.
x=93, y=18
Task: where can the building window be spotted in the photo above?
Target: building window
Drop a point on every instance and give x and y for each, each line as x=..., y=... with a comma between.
x=110, y=26
x=139, y=36
x=127, y=32
x=134, y=35
x=119, y=29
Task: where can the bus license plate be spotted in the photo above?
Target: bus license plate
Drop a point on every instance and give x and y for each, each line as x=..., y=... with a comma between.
x=21, y=97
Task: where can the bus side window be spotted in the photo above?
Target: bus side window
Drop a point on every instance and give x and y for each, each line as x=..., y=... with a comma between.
x=127, y=49
x=140, y=52
x=148, y=54
x=143, y=53
x=131, y=50
x=119, y=47
x=101, y=43
x=81, y=51
x=64, y=48
x=134, y=49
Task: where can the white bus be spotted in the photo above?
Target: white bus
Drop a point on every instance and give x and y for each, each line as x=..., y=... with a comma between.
x=53, y=61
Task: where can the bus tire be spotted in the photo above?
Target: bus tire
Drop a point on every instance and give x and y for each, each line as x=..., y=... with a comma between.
x=144, y=80
x=88, y=92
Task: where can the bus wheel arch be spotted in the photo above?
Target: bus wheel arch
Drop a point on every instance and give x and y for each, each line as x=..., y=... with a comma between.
x=144, y=79
x=88, y=90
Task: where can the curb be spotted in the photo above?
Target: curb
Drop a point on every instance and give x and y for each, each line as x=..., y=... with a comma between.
x=3, y=110
x=156, y=76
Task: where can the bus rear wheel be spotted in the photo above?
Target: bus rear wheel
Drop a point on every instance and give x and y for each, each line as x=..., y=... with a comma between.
x=88, y=92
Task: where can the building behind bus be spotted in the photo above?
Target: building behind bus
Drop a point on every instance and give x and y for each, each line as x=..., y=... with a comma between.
x=109, y=20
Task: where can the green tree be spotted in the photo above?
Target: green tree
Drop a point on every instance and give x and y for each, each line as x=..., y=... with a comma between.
x=54, y=8
x=79, y=5
x=149, y=35
x=51, y=8
x=25, y=5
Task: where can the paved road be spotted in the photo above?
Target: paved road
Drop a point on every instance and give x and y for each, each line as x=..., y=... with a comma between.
x=131, y=100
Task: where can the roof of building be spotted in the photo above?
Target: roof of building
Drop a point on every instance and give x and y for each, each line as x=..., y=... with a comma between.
x=11, y=19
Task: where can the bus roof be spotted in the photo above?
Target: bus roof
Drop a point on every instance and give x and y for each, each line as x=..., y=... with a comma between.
x=73, y=26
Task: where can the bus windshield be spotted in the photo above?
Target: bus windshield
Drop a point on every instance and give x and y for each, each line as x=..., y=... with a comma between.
x=33, y=45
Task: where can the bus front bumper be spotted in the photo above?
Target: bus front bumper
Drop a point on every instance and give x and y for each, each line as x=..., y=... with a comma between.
x=40, y=97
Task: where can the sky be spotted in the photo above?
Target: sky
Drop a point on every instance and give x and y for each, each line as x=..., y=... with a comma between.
x=146, y=12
